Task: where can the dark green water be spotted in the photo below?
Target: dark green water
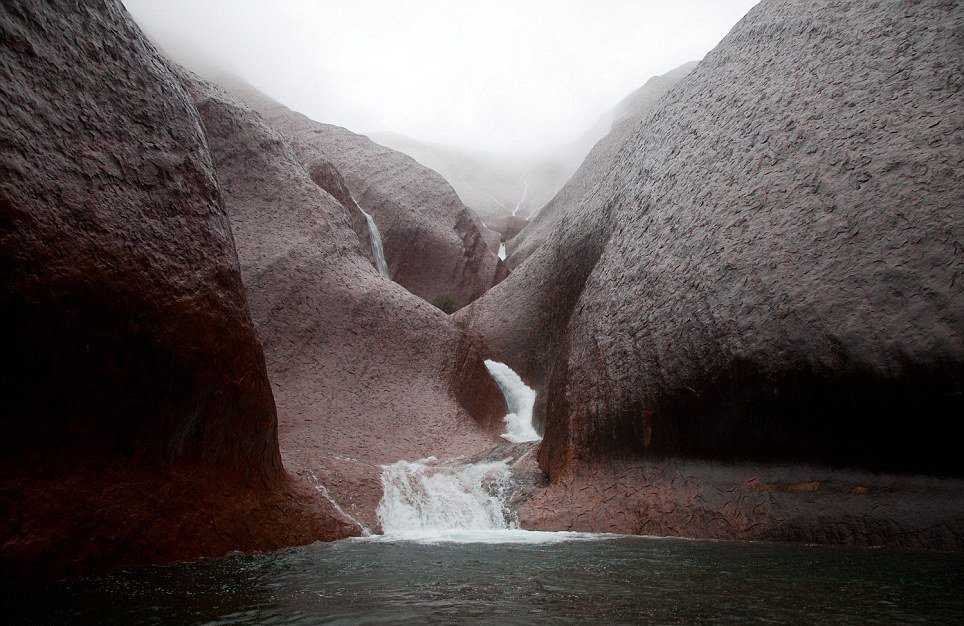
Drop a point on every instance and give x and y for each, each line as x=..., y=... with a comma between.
x=616, y=580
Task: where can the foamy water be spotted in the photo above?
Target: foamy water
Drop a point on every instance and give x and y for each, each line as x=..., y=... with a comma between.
x=519, y=398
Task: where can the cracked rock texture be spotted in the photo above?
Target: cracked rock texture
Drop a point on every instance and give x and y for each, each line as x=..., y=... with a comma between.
x=433, y=243
x=138, y=422
x=673, y=498
x=364, y=372
x=771, y=270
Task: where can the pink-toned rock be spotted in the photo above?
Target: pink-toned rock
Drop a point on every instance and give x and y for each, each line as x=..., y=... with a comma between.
x=138, y=422
x=364, y=372
x=433, y=243
x=770, y=268
x=679, y=498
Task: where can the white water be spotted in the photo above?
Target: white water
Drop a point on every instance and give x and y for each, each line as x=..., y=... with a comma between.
x=428, y=501
x=431, y=502
x=502, y=250
x=376, y=240
x=520, y=400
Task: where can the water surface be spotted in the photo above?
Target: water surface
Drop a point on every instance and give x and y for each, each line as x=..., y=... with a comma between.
x=606, y=580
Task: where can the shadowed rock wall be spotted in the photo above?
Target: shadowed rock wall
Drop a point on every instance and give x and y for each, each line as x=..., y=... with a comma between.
x=771, y=268
x=138, y=418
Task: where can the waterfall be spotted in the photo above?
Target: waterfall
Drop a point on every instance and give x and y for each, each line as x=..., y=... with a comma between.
x=520, y=400
x=468, y=502
x=502, y=250
x=376, y=239
x=429, y=496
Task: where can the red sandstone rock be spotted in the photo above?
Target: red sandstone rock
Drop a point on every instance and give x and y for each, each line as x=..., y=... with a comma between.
x=770, y=269
x=433, y=243
x=364, y=372
x=138, y=422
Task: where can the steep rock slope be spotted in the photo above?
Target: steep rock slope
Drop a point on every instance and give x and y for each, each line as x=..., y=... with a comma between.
x=783, y=275
x=138, y=421
x=433, y=243
x=772, y=266
x=364, y=372
x=622, y=122
x=524, y=318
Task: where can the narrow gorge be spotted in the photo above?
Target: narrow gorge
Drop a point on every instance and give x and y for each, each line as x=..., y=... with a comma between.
x=322, y=375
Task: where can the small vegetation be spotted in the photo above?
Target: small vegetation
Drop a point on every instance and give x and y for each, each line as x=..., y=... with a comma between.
x=447, y=303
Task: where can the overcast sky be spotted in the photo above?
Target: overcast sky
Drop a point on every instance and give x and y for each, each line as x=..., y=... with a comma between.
x=513, y=75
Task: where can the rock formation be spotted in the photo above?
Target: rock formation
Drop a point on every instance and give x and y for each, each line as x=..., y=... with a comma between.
x=771, y=270
x=139, y=424
x=364, y=372
x=433, y=243
x=497, y=186
x=621, y=123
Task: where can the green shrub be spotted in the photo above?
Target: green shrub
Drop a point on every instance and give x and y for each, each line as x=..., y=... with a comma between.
x=447, y=303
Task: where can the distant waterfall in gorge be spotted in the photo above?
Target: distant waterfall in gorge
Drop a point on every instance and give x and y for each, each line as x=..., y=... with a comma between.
x=502, y=251
x=519, y=398
x=378, y=252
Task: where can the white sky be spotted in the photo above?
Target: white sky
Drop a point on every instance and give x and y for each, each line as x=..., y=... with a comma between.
x=517, y=76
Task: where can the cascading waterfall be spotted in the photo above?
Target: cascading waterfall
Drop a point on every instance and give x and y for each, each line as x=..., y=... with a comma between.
x=429, y=500
x=519, y=398
x=502, y=250
x=427, y=496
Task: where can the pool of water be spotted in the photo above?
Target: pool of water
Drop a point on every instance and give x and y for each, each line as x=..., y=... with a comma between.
x=596, y=580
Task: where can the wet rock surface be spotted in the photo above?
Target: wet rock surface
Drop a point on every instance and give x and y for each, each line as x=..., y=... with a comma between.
x=138, y=419
x=679, y=498
x=770, y=271
x=364, y=372
x=433, y=243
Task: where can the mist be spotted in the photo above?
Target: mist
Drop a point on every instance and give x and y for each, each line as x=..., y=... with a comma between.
x=500, y=76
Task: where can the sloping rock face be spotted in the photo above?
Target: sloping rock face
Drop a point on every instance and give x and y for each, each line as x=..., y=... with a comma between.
x=752, y=502
x=772, y=268
x=625, y=120
x=524, y=318
x=782, y=279
x=433, y=243
x=138, y=422
x=364, y=372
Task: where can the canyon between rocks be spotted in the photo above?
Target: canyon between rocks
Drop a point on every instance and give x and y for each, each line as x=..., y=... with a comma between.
x=742, y=314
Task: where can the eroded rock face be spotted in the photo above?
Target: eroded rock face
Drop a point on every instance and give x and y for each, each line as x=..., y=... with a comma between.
x=772, y=268
x=364, y=372
x=138, y=419
x=524, y=319
x=433, y=243
x=805, y=504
